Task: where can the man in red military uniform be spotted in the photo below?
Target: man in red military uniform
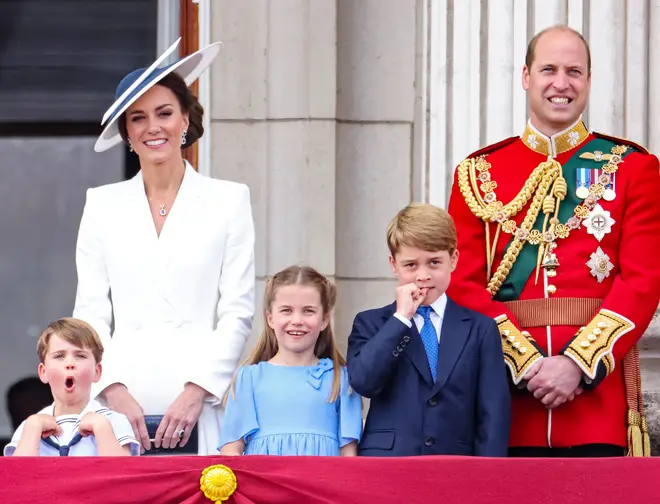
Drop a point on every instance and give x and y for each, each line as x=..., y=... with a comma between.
x=559, y=234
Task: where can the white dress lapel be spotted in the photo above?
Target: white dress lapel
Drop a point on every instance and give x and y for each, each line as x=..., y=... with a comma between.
x=142, y=223
x=179, y=237
x=184, y=217
x=179, y=233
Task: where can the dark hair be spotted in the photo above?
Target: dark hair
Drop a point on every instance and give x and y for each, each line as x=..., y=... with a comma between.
x=531, y=48
x=188, y=103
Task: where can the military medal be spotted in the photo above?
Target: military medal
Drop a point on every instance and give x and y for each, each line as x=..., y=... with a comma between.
x=607, y=181
x=582, y=190
x=610, y=193
x=600, y=265
x=586, y=177
x=598, y=222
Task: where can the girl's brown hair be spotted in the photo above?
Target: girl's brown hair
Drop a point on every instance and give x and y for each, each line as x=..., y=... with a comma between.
x=325, y=347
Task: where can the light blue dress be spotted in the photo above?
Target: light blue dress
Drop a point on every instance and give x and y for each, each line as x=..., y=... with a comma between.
x=284, y=410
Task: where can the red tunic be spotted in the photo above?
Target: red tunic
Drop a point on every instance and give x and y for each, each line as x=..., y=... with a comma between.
x=629, y=294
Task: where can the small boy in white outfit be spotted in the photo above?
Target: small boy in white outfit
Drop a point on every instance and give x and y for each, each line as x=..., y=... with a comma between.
x=70, y=354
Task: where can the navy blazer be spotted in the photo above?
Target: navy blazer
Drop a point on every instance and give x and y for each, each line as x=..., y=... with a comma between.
x=466, y=411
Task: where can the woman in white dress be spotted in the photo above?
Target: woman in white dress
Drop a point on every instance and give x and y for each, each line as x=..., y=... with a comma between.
x=165, y=266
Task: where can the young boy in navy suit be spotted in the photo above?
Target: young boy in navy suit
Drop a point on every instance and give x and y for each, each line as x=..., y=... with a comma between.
x=433, y=370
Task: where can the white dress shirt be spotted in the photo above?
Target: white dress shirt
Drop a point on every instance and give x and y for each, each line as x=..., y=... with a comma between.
x=438, y=313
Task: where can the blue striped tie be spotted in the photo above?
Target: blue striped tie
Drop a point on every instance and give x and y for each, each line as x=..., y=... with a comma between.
x=429, y=338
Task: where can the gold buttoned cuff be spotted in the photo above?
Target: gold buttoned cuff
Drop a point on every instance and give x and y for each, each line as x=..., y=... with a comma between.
x=520, y=350
x=593, y=343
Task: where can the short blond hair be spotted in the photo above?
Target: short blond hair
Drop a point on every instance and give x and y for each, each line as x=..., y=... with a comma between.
x=73, y=331
x=422, y=226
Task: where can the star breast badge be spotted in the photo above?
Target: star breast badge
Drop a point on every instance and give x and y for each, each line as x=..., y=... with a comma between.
x=600, y=265
x=598, y=222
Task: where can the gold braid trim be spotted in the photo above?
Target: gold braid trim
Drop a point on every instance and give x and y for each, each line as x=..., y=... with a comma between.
x=553, y=170
x=540, y=181
x=467, y=183
x=594, y=343
x=489, y=209
x=518, y=347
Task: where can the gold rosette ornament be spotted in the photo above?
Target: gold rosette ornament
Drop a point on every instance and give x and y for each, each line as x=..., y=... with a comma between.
x=218, y=483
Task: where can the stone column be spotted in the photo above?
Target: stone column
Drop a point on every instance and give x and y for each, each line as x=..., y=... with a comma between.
x=273, y=126
x=337, y=113
x=376, y=43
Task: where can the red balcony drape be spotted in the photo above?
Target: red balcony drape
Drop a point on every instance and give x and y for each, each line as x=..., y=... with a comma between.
x=330, y=480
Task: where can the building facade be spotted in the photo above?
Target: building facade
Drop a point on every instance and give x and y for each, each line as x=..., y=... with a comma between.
x=337, y=113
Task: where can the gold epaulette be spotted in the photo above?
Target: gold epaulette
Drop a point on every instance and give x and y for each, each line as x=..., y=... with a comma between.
x=620, y=141
x=493, y=147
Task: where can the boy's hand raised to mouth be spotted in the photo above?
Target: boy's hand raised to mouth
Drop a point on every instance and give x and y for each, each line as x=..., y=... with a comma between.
x=409, y=297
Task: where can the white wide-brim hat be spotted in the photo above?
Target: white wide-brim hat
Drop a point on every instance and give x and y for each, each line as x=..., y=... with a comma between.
x=139, y=81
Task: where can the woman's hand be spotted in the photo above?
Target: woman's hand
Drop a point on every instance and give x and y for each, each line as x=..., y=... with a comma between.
x=181, y=417
x=120, y=400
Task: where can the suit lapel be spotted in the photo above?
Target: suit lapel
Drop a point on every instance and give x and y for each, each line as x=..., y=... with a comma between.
x=184, y=217
x=414, y=350
x=138, y=218
x=178, y=235
x=453, y=336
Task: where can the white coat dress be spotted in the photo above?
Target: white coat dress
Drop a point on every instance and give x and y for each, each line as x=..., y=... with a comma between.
x=171, y=309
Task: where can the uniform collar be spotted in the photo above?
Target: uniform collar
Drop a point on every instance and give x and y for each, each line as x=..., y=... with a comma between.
x=559, y=142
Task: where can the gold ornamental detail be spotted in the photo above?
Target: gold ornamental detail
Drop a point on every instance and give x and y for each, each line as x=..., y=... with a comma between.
x=548, y=188
x=518, y=348
x=595, y=342
x=218, y=483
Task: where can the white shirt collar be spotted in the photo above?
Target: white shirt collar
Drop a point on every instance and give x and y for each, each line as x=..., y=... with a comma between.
x=440, y=305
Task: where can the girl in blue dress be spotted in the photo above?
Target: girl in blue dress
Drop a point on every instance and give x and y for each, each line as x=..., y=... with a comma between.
x=292, y=397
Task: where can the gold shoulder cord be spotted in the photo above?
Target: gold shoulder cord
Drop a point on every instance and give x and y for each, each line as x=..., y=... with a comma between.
x=490, y=210
x=549, y=188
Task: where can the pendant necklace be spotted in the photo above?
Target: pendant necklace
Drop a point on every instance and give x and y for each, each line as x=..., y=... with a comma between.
x=162, y=211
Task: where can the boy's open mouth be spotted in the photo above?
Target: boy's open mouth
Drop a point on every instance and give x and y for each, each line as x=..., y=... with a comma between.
x=68, y=384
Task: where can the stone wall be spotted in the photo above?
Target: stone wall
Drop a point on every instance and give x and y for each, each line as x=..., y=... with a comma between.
x=313, y=106
x=337, y=113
